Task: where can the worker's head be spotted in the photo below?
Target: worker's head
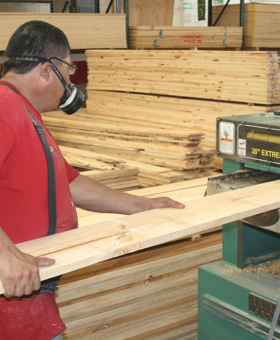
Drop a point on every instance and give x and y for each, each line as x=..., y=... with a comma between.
x=35, y=38
x=39, y=43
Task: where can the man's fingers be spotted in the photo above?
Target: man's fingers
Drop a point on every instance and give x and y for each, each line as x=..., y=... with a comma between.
x=45, y=261
x=26, y=279
x=166, y=202
x=9, y=290
x=177, y=205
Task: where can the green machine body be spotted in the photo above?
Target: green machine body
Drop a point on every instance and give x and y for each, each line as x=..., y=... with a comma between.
x=238, y=295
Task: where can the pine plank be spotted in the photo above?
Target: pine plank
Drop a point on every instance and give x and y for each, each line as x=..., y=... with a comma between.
x=83, y=30
x=79, y=248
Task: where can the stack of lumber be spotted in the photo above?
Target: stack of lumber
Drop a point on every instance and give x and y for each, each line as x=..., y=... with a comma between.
x=261, y=23
x=166, y=112
x=162, y=112
x=92, y=244
x=146, y=295
x=181, y=90
x=149, y=294
x=83, y=30
x=118, y=173
x=122, y=179
x=110, y=172
x=241, y=76
x=177, y=150
x=148, y=175
x=171, y=37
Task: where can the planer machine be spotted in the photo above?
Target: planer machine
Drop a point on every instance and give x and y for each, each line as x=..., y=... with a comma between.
x=239, y=295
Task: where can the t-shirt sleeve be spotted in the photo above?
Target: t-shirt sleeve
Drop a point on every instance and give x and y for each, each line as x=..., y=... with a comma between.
x=71, y=172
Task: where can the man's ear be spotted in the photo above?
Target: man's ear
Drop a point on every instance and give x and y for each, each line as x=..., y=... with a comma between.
x=45, y=71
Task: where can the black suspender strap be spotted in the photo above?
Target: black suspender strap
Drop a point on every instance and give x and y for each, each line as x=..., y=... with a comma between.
x=51, y=170
x=51, y=175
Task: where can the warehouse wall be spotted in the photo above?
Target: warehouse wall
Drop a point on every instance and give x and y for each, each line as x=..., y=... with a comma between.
x=24, y=7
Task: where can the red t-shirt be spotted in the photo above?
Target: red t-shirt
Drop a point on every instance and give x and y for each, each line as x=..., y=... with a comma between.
x=24, y=209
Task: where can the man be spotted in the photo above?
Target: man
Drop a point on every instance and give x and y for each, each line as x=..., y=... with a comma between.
x=36, y=80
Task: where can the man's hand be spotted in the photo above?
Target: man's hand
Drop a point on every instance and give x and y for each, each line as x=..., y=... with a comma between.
x=19, y=272
x=90, y=195
x=161, y=202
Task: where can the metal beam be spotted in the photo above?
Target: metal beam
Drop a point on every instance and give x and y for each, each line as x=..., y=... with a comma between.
x=119, y=6
x=126, y=10
x=96, y=7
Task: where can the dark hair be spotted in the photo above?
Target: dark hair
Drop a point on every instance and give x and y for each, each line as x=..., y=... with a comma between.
x=35, y=38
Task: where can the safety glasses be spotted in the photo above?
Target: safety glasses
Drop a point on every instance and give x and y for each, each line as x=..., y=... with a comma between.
x=72, y=68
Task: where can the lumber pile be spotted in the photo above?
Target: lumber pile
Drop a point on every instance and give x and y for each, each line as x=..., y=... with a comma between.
x=166, y=112
x=83, y=30
x=113, y=173
x=169, y=113
x=241, y=76
x=146, y=295
x=174, y=37
x=171, y=149
x=261, y=23
x=117, y=173
x=181, y=90
x=122, y=179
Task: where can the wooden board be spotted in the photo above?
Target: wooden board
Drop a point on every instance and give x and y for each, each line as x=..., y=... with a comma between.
x=85, y=246
x=151, y=13
x=170, y=37
x=83, y=30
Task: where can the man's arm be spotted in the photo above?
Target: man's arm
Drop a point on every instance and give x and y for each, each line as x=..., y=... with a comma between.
x=91, y=195
x=19, y=272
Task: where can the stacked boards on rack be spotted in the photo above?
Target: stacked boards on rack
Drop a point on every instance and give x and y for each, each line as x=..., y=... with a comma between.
x=180, y=90
x=174, y=37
